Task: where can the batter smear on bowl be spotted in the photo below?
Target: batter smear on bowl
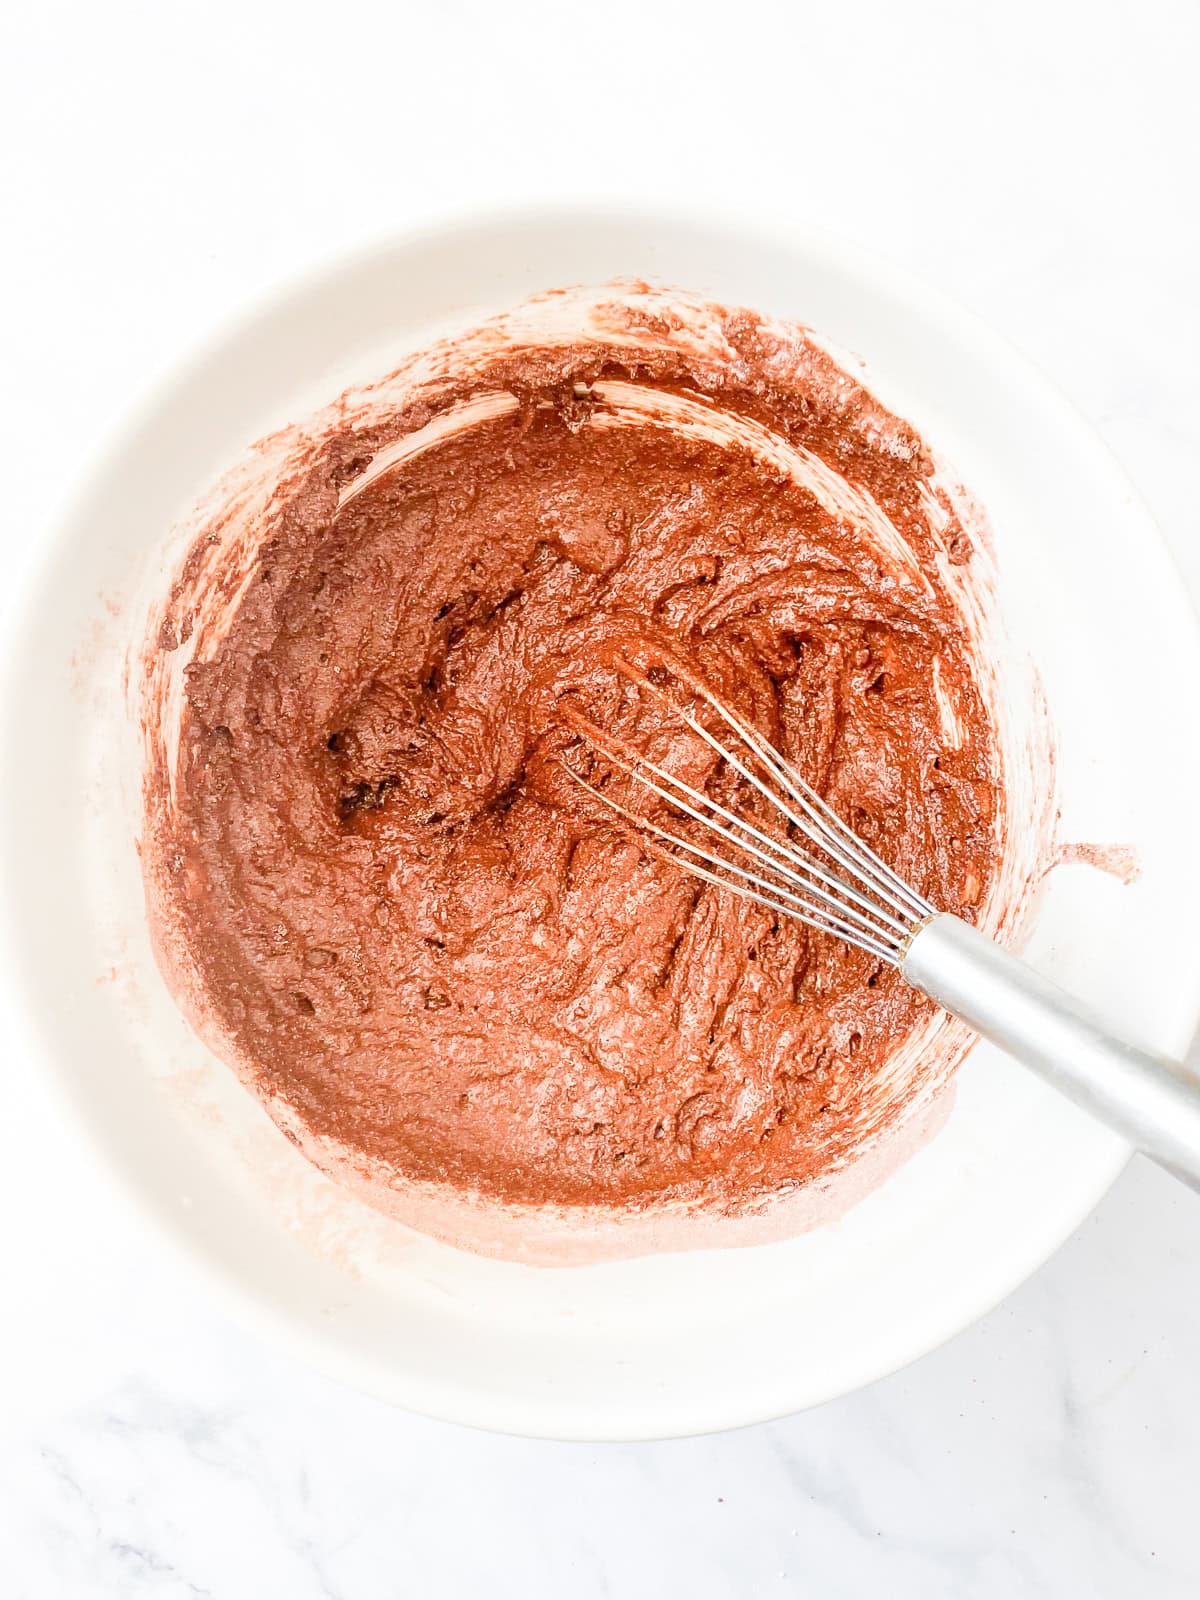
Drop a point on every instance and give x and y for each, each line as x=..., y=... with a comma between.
x=454, y=978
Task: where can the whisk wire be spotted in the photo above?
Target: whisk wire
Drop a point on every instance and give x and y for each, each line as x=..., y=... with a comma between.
x=829, y=903
x=790, y=856
x=819, y=821
x=831, y=848
x=823, y=815
x=880, y=920
x=772, y=896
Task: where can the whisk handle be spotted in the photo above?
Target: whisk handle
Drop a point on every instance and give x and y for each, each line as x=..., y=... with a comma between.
x=1151, y=1101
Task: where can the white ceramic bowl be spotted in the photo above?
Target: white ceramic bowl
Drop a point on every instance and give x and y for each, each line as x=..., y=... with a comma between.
x=671, y=1344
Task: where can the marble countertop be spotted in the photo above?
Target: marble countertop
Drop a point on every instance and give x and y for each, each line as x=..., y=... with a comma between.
x=167, y=165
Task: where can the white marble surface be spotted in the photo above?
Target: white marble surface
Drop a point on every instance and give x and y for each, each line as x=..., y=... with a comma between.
x=166, y=164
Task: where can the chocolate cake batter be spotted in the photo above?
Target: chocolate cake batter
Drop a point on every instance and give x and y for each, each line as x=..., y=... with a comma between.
x=423, y=943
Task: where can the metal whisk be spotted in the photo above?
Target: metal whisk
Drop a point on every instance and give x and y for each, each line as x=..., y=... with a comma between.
x=817, y=870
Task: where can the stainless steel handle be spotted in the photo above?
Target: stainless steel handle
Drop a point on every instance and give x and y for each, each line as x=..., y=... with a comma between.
x=1151, y=1101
